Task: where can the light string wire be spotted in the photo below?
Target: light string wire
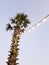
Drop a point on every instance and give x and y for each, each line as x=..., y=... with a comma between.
x=36, y=24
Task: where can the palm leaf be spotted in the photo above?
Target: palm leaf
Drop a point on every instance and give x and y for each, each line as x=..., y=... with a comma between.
x=12, y=20
x=9, y=27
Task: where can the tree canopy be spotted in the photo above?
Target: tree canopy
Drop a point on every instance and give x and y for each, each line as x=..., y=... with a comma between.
x=20, y=20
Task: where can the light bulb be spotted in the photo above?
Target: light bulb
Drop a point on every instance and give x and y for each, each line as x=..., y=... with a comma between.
x=37, y=24
x=44, y=20
x=33, y=28
x=18, y=35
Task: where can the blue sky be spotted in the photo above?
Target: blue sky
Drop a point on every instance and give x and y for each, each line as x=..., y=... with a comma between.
x=34, y=45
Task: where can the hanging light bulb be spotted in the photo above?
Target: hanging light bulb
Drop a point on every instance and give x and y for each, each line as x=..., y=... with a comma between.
x=18, y=35
x=23, y=32
x=29, y=30
x=37, y=24
x=44, y=20
x=33, y=27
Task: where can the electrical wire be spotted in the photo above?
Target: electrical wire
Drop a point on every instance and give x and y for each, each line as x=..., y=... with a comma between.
x=36, y=24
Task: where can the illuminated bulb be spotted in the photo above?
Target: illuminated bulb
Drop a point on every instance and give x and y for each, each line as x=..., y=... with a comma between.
x=18, y=35
x=33, y=28
x=44, y=19
x=38, y=24
x=29, y=30
x=23, y=33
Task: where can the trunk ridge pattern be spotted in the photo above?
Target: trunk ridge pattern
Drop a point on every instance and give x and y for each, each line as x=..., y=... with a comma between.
x=14, y=49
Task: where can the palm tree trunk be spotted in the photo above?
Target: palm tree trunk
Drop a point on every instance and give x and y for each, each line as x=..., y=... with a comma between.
x=12, y=59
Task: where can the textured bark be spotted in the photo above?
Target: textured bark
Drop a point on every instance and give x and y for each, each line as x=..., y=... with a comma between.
x=12, y=59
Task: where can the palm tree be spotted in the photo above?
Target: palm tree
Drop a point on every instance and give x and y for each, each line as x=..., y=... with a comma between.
x=18, y=24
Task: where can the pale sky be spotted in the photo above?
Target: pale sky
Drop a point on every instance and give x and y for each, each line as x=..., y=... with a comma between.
x=34, y=45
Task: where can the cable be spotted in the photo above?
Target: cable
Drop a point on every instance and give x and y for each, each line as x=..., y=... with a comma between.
x=36, y=24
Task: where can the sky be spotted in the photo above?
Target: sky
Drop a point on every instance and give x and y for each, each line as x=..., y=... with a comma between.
x=34, y=45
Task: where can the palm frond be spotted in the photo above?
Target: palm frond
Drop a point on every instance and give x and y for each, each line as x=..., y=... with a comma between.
x=27, y=21
x=17, y=16
x=20, y=21
x=12, y=20
x=9, y=27
x=22, y=30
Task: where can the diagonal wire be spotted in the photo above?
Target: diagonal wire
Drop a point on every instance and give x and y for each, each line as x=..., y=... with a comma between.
x=36, y=24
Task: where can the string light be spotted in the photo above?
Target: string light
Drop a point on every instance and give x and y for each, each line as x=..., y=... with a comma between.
x=17, y=35
x=33, y=28
x=37, y=24
x=44, y=20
